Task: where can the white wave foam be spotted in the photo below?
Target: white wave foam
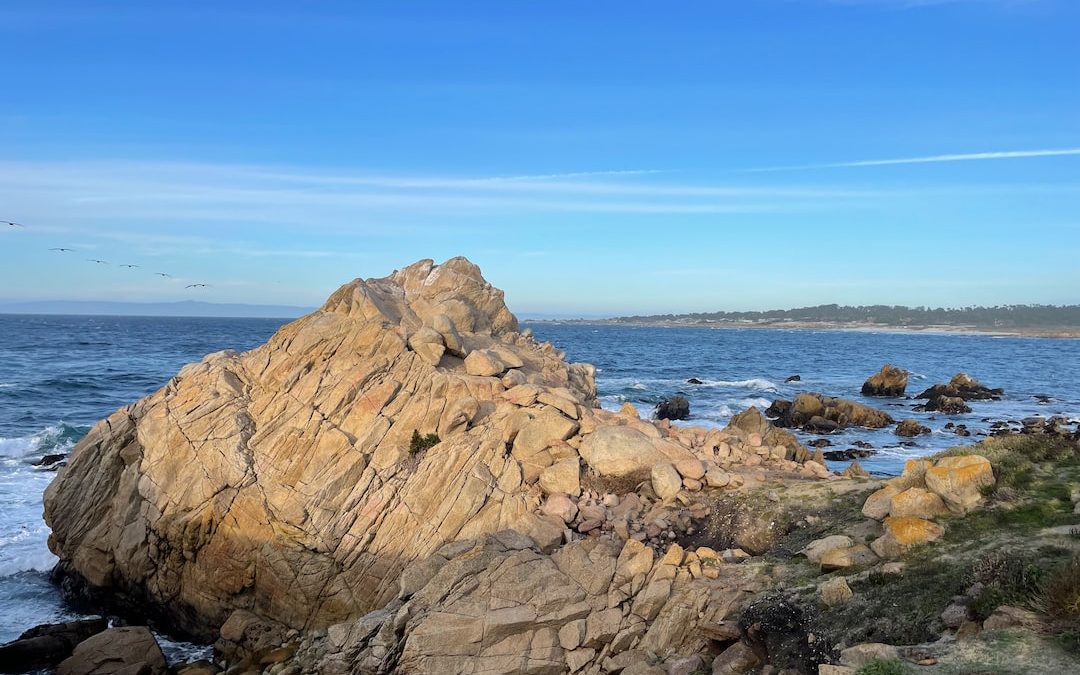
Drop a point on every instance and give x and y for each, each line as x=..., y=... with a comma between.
x=760, y=403
x=6, y=385
x=639, y=386
x=42, y=561
x=758, y=383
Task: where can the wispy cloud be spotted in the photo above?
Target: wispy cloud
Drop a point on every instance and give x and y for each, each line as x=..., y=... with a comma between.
x=930, y=159
x=99, y=192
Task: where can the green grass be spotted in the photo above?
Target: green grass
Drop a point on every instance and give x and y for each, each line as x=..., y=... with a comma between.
x=883, y=667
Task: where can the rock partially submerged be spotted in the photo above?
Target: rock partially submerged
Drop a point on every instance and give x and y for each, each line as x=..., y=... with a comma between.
x=889, y=381
x=819, y=413
x=116, y=651
x=964, y=387
x=674, y=408
x=47, y=645
x=279, y=483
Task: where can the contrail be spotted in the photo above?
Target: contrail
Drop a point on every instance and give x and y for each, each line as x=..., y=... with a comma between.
x=966, y=157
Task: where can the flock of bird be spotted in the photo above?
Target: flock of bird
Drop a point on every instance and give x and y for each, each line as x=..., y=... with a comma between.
x=58, y=249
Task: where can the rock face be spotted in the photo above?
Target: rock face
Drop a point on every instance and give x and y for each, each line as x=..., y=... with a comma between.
x=498, y=605
x=278, y=484
x=889, y=381
x=819, y=413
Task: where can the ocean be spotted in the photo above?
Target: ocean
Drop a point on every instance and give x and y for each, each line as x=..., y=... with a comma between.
x=59, y=375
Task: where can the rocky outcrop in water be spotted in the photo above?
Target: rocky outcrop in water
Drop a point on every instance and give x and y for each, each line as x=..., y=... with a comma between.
x=822, y=414
x=964, y=387
x=674, y=408
x=116, y=651
x=47, y=645
x=281, y=487
x=889, y=381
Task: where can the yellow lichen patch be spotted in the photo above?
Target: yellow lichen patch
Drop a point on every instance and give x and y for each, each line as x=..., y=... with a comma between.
x=910, y=531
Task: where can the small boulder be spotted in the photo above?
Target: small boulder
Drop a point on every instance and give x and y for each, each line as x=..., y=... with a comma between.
x=878, y=504
x=1007, y=616
x=860, y=655
x=835, y=591
x=889, y=381
x=691, y=468
x=849, y=556
x=901, y=533
x=688, y=665
x=716, y=477
x=484, y=363
x=444, y=325
x=666, y=481
x=561, y=506
x=619, y=451
x=737, y=659
x=815, y=550
x=917, y=502
x=563, y=476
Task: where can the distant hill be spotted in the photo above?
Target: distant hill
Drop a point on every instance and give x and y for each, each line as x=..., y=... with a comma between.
x=1004, y=316
x=183, y=308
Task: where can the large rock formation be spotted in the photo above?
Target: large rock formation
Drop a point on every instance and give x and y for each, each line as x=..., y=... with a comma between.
x=279, y=484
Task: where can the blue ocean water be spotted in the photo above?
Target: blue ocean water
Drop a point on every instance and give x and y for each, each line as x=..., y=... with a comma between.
x=744, y=367
x=59, y=375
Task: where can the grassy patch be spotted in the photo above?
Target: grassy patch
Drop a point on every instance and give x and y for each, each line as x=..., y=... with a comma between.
x=883, y=667
x=1007, y=579
x=897, y=610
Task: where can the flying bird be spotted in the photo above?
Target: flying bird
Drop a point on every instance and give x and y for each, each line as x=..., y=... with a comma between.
x=197, y=286
x=100, y=262
x=10, y=223
x=162, y=274
x=129, y=266
x=63, y=250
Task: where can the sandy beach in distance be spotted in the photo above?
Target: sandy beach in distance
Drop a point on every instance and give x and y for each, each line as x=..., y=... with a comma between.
x=1041, y=332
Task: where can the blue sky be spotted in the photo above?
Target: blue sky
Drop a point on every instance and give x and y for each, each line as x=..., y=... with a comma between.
x=593, y=158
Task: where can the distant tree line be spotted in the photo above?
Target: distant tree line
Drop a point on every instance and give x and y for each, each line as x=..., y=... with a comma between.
x=1019, y=316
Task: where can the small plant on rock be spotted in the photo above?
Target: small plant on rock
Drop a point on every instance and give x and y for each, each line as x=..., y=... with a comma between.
x=883, y=667
x=420, y=443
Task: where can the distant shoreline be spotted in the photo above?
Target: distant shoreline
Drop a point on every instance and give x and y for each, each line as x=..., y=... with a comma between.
x=847, y=327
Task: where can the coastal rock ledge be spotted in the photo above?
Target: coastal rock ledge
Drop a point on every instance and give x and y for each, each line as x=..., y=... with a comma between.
x=293, y=484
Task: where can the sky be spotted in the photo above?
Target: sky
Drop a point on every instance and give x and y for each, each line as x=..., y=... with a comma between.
x=599, y=158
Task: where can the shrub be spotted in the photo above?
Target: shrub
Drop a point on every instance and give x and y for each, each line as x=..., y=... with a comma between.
x=1059, y=595
x=1007, y=578
x=420, y=443
x=883, y=667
